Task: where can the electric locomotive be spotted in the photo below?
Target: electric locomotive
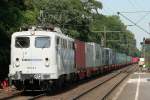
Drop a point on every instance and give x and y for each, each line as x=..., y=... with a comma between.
x=40, y=57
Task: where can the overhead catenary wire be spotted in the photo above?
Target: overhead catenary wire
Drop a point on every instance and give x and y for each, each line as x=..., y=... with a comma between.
x=140, y=11
x=133, y=22
x=142, y=18
x=138, y=4
x=132, y=4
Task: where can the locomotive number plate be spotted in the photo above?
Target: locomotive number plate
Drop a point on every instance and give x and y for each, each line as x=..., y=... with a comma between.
x=31, y=67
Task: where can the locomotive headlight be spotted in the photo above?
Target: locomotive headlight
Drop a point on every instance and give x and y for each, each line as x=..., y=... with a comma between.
x=47, y=62
x=17, y=62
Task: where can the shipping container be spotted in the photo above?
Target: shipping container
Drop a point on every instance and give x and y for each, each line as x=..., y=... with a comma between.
x=129, y=59
x=114, y=57
x=103, y=56
x=89, y=55
x=135, y=59
x=106, y=50
x=97, y=55
x=122, y=58
x=108, y=56
x=93, y=54
x=80, y=54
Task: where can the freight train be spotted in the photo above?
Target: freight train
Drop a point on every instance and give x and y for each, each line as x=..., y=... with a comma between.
x=43, y=58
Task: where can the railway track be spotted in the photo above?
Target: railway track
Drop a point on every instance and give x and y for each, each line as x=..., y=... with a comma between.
x=11, y=95
x=123, y=74
x=111, y=90
x=22, y=96
x=37, y=96
x=87, y=94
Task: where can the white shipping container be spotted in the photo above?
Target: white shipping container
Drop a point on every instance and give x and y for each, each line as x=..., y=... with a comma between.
x=93, y=54
x=89, y=54
x=103, y=59
x=108, y=54
x=97, y=55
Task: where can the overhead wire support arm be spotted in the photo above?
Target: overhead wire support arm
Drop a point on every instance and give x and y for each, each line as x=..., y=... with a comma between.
x=133, y=22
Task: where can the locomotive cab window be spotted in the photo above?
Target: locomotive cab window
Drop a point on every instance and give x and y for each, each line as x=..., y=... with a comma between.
x=22, y=42
x=42, y=42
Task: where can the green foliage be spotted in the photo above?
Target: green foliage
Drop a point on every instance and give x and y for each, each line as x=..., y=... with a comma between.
x=77, y=18
x=29, y=17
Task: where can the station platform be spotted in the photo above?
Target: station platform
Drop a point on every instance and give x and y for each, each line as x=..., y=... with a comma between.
x=136, y=87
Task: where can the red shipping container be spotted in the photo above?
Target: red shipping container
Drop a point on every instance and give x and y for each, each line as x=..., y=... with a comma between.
x=80, y=54
x=135, y=59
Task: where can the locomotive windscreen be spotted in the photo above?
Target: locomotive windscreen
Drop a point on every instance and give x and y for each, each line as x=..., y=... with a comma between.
x=42, y=42
x=22, y=42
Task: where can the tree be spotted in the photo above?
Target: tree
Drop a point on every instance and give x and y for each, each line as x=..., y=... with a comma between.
x=77, y=18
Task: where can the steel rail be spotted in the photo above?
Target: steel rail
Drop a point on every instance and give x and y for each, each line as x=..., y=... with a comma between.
x=110, y=91
x=106, y=96
x=84, y=93
x=105, y=81
x=37, y=96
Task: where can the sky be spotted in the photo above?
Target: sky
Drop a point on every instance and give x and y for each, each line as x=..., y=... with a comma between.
x=111, y=7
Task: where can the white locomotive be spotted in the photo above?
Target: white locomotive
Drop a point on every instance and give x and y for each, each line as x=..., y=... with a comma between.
x=40, y=57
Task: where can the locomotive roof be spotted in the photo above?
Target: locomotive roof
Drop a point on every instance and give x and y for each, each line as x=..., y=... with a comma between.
x=46, y=33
